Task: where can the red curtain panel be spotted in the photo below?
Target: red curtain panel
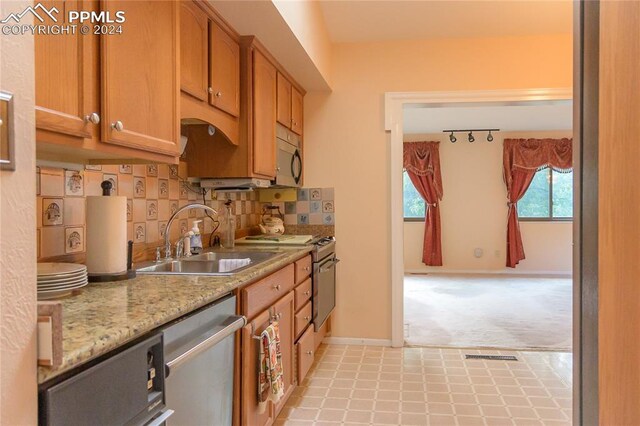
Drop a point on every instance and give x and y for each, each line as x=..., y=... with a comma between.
x=422, y=163
x=522, y=158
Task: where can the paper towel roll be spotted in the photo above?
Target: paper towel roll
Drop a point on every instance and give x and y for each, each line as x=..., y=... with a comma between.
x=106, y=234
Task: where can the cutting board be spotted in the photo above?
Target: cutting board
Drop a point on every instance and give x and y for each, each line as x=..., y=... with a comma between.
x=292, y=240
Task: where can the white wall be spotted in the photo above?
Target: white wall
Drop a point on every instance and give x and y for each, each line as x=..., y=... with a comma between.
x=474, y=213
x=18, y=382
x=346, y=146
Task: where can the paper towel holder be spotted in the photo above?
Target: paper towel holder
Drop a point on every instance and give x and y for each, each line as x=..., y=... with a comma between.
x=107, y=186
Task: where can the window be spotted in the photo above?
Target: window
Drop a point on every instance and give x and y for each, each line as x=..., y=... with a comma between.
x=550, y=197
x=412, y=201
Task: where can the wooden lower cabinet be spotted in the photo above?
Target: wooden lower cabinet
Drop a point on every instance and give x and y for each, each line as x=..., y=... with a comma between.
x=305, y=350
x=283, y=311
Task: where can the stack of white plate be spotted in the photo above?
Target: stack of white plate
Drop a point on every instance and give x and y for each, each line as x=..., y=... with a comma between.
x=57, y=280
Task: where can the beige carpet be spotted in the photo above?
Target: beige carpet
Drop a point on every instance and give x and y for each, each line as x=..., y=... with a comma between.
x=488, y=311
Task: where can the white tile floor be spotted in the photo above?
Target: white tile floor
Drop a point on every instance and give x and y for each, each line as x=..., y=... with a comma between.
x=431, y=386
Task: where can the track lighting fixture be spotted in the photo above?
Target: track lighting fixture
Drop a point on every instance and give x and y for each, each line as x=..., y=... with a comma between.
x=470, y=137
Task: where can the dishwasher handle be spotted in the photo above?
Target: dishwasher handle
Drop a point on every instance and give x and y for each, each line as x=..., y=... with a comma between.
x=229, y=326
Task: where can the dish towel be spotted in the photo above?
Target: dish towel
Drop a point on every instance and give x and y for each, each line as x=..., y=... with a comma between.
x=228, y=265
x=270, y=380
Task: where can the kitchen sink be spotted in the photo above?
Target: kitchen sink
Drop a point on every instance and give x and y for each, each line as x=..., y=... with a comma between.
x=209, y=263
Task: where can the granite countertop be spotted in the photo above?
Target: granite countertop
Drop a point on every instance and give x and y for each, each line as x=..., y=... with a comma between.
x=105, y=316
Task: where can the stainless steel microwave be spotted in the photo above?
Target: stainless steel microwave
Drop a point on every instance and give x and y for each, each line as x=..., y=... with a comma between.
x=288, y=158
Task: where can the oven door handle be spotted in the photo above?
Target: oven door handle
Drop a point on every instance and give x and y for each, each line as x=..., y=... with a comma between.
x=230, y=326
x=296, y=176
x=328, y=265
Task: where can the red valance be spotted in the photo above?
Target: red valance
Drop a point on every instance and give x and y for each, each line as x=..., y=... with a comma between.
x=422, y=158
x=535, y=154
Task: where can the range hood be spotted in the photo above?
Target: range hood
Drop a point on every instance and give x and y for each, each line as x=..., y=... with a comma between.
x=234, y=184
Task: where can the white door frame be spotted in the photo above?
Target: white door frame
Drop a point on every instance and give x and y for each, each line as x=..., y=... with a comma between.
x=394, y=104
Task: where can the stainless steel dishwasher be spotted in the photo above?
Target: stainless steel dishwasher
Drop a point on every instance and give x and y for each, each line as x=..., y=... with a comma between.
x=199, y=357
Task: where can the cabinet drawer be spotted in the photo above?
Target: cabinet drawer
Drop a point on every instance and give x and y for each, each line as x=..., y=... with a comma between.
x=303, y=293
x=303, y=269
x=303, y=318
x=305, y=354
x=258, y=296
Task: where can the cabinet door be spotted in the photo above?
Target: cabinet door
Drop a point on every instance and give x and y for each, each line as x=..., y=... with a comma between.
x=66, y=77
x=284, y=101
x=225, y=71
x=264, y=116
x=284, y=312
x=194, y=50
x=140, y=69
x=296, y=111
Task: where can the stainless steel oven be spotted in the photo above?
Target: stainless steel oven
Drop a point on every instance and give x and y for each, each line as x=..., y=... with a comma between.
x=323, y=280
x=288, y=158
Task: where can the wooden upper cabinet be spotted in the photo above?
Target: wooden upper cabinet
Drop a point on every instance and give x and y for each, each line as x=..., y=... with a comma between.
x=264, y=116
x=194, y=50
x=296, y=110
x=284, y=101
x=224, y=66
x=140, y=77
x=67, y=78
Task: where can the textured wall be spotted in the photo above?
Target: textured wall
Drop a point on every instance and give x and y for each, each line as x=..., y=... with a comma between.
x=347, y=147
x=18, y=403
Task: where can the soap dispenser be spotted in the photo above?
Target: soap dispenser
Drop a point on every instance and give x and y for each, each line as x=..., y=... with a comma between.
x=196, y=238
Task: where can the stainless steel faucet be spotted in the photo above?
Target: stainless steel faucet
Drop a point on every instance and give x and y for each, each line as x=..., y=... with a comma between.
x=167, y=233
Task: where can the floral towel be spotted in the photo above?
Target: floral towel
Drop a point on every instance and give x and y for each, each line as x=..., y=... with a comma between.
x=270, y=380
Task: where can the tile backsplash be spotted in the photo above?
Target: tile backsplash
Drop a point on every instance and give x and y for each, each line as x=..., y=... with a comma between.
x=154, y=192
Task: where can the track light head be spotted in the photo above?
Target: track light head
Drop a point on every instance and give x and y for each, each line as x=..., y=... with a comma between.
x=489, y=137
x=452, y=138
x=471, y=138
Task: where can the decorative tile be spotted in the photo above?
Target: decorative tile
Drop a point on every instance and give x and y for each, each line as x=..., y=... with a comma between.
x=184, y=192
x=303, y=219
x=73, y=183
x=302, y=207
x=173, y=207
x=139, y=232
x=114, y=182
x=126, y=169
x=163, y=188
x=183, y=226
x=315, y=219
x=289, y=207
x=328, y=219
x=139, y=187
x=152, y=170
x=315, y=194
x=315, y=206
x=327, y=207
x=173, y=171
x=129, y=210
x=52, y=211
x=162, y=227
x=303, y=194
x=152, y=209
x=74, y=240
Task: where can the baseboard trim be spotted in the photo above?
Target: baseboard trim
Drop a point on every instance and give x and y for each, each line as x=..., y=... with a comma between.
x=354, y=341
x=550, y=274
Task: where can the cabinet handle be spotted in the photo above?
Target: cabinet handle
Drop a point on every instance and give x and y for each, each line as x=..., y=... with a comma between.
x=92, y=118
x=309, y=353
x=210, y=90
x=218, y=94
x=118, y=126
x=276, y=287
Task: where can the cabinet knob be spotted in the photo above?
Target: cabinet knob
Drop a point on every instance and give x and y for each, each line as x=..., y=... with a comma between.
x=210, y=90
x=277, y=169
x=307, y=318
x=118, y=126
x=309, y=352
x=307, y=293
x=92, y=118
x=218, y=94
x=307, y=268
x=276, y=287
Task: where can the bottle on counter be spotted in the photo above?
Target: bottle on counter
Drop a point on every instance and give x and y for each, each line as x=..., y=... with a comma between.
x=196, y=238
x=229, y=232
